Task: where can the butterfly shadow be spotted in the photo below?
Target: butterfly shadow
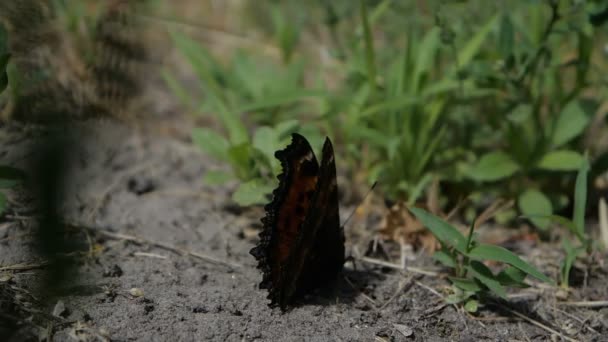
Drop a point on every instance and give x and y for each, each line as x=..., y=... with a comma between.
x=347, y=288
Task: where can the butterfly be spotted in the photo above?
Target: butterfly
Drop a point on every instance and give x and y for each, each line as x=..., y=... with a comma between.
x=301, y=245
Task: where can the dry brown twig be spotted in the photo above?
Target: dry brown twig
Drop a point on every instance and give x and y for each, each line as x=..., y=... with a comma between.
x=538, y=324
x=24, y=266
x=586, y=304
x=142, y=241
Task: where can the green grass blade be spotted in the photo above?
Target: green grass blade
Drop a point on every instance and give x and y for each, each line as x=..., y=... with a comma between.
x=280, y=100
x=482, y=273
x=472, y=47
x=580, y=198
x=443, y=231
x=490, y=252
x=425, y=59
x=370, y=54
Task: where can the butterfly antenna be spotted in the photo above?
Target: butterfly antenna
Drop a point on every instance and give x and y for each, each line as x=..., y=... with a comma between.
x=360, y=203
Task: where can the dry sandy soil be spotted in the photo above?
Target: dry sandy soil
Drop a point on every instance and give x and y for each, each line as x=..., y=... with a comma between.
x=162, y=257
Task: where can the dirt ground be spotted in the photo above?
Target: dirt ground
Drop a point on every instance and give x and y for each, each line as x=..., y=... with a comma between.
x=164, y=257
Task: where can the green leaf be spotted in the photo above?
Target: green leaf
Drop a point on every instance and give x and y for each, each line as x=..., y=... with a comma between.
x=266, y=140
x=580, y=198
x=571, y=122
x=490, y=252
x=494, y=166
x=240, y=157
x=566, y=265
x=443, y=231
x=445, y=258
x=252, y=192
x=472, y=47
x=534, y=203
x=482, y=273
x=216, y=177
x=471, y=305
x=427, y=51
x=453, y=299
x=512, y=276
x=212, y=143
x=466, y=284
x=506, y=37
x=561, y=160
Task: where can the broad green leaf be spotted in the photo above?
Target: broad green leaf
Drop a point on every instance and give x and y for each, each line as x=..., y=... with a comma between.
x=512, y=276
x=443, y=231
x=240, y=157
x=212, y=143
x=484, y=252
x=453, y=299
x=535, y=205
x=494, y=166
x=444, y=258
x=466, y=284
x=571, y=122
x=580, y=198
x=482, y=273
x=252, y=192
x=471, y=305
x=561, y=160
x=266, y=140
x=215, y=177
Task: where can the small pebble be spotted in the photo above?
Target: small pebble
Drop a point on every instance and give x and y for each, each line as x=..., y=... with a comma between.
x=136, y=292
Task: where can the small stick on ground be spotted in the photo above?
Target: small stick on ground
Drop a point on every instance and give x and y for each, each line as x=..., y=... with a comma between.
x=583, y=322
x=586, y=304
x=162, y=245
x=538, y=324
x=24, y=267
x=150, y=255
x=404, y=286
x=397, y=266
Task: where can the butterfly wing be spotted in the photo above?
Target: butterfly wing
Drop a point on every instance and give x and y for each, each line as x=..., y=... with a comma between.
x=285, y=217
x=319, y=251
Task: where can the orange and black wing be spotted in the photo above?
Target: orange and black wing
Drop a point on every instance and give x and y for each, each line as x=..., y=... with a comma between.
x=319, y=253
x=285, y=217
